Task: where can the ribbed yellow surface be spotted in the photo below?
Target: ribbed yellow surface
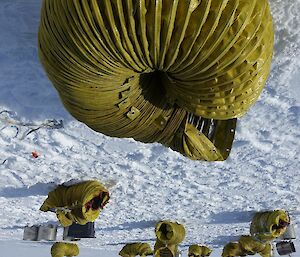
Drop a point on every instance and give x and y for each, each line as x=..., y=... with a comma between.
x=165, y=251
x=136, y=249
x=60, y=249
x=139, y=68
x=263, y=224
x=169, y=233
x=199, y=250
x=233, y=249
x=252, y=246
x=247, y=245
x=74, y=198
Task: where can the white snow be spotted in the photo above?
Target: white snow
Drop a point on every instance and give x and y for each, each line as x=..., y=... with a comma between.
x=213, y=200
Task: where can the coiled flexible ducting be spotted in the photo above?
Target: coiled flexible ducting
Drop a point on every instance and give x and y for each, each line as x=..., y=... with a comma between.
x=169, y=233
x=69, y=202
x=233, y=249
x=168, y=236
x=165, y=251
x=136, y=249
x=252, y=246
x=144, y=69
x=267, y=226
x=247, y=245
x=199, y=251
x=60, y=249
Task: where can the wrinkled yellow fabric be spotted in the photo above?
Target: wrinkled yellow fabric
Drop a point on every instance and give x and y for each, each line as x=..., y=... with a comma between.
x=233, y=249
x=247, y=245
x=199, y=250
x=161, y=250
x=168, y=236
x=136, y=249
x=64, y=249
x=252, y=246
x=65, y=219
x=262, y=224
x=74, y=198
x=169, y=233
x=267, y=251
x=139, y=68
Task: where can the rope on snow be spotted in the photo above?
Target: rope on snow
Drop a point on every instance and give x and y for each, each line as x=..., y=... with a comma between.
x=11, y=119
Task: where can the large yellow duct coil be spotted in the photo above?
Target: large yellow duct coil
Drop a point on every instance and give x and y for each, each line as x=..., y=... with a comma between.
x=146, y=69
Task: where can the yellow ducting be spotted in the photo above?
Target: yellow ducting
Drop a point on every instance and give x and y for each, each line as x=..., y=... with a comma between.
x=144, y=69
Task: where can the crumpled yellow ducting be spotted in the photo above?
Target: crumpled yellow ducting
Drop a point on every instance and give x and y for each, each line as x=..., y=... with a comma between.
x=199, y=251
x=269, y=225
x=144, y=69
x=60, y=249
x=136, y=249
x=247, y=245
x=69, y=202
x=168, y=236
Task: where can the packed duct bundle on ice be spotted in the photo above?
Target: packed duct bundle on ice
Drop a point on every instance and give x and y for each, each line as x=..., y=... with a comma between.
x=136, y=249
x=199, y=250
x=269, y=225
x=247, y=245
x=168, y=236
x=80, y=203
x=64, y=249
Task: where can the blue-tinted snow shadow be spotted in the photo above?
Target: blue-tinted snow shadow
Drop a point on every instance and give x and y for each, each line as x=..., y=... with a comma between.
x=37, y=189
x=221, y=241
x=25, y=88
x=231, y=217
x=132, y=225
x=147, y=240
x=294, y=113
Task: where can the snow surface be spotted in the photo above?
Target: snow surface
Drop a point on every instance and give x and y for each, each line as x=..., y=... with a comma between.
x=213, y=200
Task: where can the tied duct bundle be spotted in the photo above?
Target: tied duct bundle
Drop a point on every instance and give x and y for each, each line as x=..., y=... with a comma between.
x=64, y=249
x=269, y=225
x=168, y=236
x=252, y=246
x=247, y=245
x=136, y=249
x=80, y=203
x=233, y=249
x=176, y=72
x=199, y=250
x=166, y=251
x=169, y=233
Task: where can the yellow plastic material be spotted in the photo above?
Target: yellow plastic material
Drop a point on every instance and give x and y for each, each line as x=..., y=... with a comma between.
x=252, y=246
x=69, y=202
x=247, y=245
x=233, y=249
x=264, y=225
x=140, y=69
x=165, y=251
x=136, y=249
x=168, y=236
x=199, y=251
x=169, y=233
x=64, y=249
